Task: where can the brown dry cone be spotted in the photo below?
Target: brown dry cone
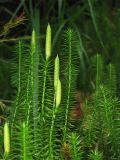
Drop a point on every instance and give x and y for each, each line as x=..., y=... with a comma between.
x=79, y=96
x=77, y=111
x=91, y=96
x=66, y=151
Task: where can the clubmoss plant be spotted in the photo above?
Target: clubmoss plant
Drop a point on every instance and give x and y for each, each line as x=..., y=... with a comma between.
x=112, y=79
x=75, y=145
x=40, y=119
x=96, y=155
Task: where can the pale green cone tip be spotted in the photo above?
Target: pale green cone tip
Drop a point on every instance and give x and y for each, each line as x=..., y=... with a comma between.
x=58, y=93
x=48, y=42
x=56, y=71
x=6, y=138
x=33, y=42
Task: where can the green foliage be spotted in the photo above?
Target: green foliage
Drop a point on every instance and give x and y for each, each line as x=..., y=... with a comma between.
x=21, y=146
x=69, y=58
x=36, y=107
x=41, y=127
x=112, y=78
x=75, y=143
x=97, y=65
x=40, y=118
x=109, y=108
x=95, y=155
